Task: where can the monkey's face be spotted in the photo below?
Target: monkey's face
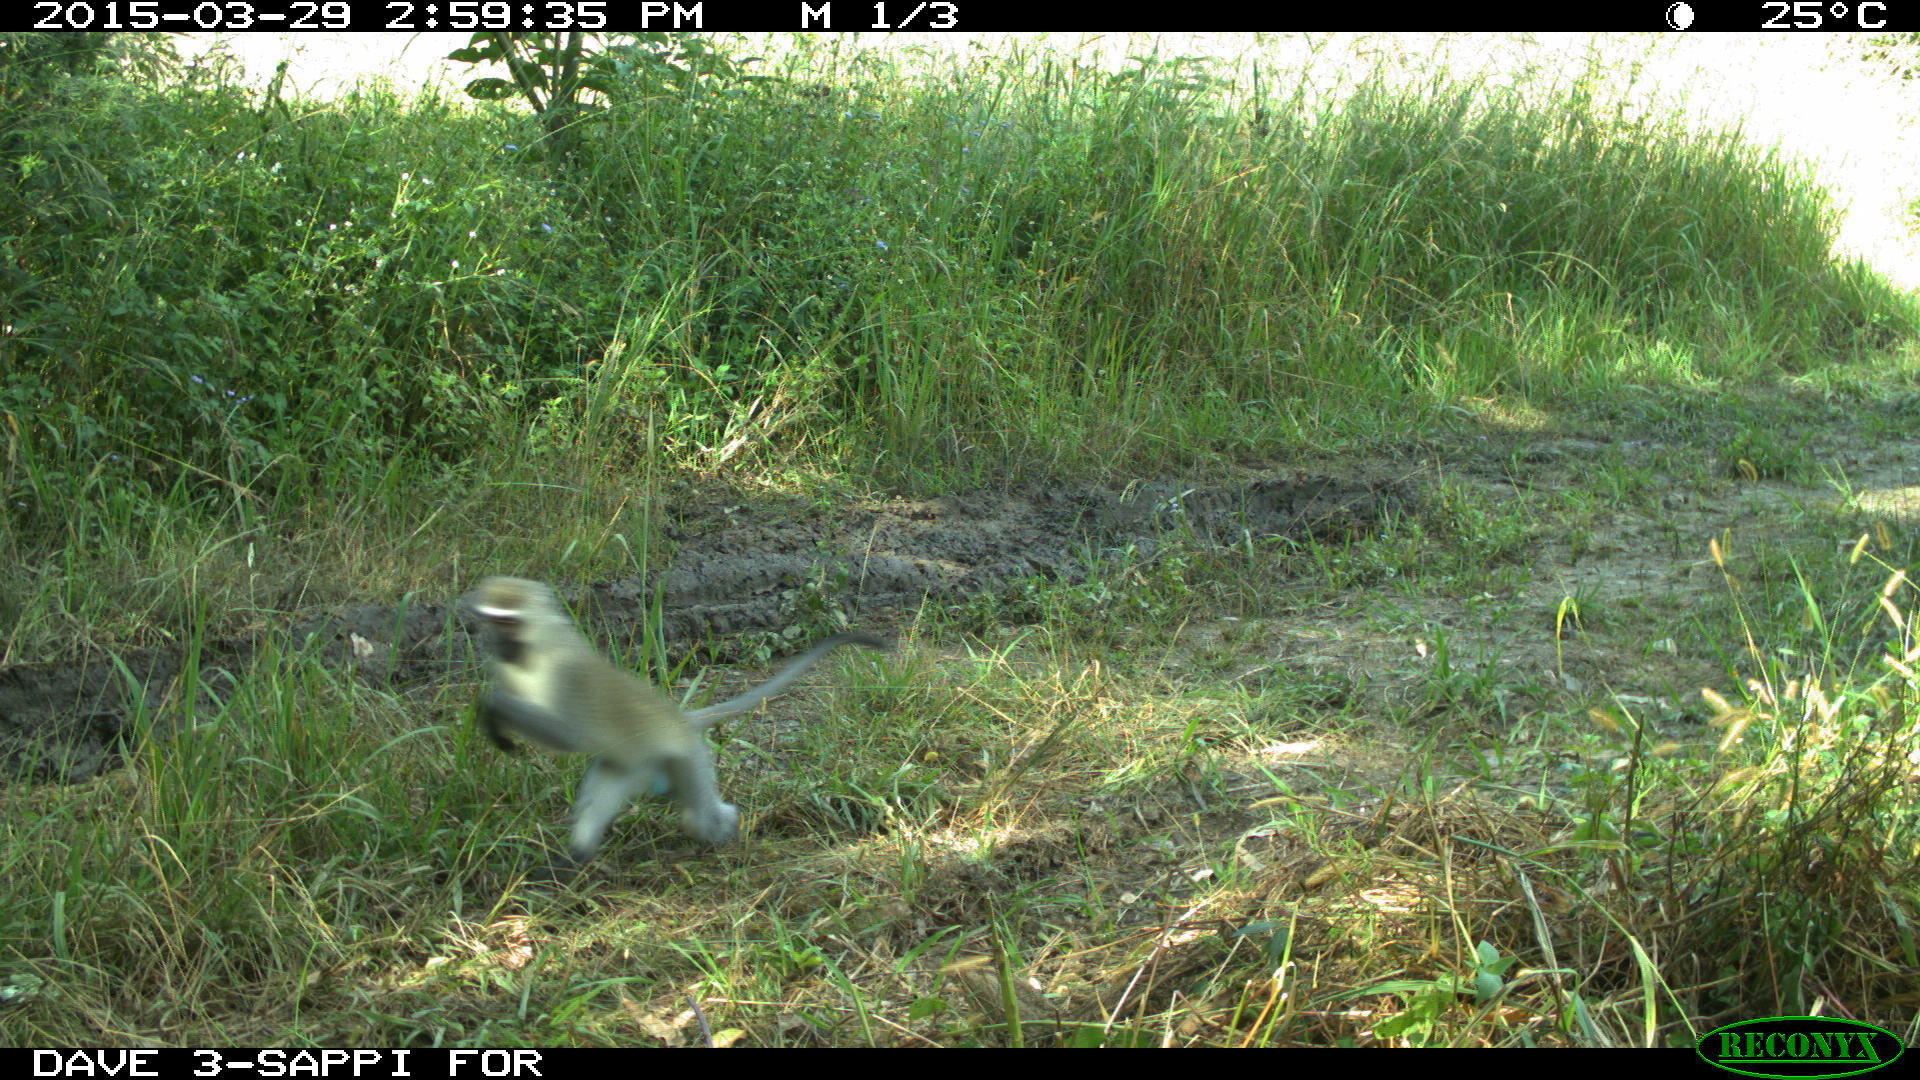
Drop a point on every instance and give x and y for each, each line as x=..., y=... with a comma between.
x=508, y=644
x=507, y=606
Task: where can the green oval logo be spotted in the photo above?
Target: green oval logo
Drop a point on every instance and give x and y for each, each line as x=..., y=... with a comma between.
x=1799, y=1047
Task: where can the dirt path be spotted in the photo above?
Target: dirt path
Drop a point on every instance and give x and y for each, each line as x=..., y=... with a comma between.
x=738, y=572
x=1640, y=555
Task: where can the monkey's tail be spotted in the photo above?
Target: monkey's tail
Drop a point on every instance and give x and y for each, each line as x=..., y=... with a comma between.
x=700, y=719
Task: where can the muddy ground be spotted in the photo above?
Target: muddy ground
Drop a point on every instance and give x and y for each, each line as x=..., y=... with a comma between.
x=737, y=573
x=742, y=574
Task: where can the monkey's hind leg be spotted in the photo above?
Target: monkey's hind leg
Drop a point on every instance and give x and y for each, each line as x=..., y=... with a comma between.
x=605, y=791
x=703, y=815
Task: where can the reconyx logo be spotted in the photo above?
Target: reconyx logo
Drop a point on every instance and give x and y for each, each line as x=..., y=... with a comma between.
x=1800, y=1047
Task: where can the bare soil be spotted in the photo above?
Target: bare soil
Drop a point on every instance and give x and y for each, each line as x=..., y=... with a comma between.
x=736, y=572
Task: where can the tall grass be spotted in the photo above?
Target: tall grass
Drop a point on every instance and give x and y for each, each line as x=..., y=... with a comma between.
x=1004, y=262
x=261, y=353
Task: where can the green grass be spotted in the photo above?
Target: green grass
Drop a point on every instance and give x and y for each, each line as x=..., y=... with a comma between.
x=1606, y=741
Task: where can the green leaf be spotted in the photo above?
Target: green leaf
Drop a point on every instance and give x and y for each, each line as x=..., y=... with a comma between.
x=490, y=89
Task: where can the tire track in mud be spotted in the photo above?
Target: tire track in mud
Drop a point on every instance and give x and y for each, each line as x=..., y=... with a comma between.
x=739, y=572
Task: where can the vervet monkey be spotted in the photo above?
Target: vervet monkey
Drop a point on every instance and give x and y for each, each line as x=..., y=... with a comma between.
x=555, y=689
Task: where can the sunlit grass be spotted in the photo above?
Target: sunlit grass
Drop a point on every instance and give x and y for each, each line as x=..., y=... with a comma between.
x=1607, y=735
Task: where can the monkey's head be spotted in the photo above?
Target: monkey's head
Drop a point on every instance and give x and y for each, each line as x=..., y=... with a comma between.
x=513, y=609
